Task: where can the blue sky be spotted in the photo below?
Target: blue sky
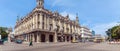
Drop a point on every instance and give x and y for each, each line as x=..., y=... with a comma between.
x=99, y=15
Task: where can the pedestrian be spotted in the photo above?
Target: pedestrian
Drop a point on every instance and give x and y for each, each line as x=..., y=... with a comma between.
x=30, y=44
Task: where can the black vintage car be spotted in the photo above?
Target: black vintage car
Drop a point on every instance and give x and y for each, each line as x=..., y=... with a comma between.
x=1, y=42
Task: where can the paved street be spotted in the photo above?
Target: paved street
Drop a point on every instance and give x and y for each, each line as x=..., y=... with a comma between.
x=61, y=47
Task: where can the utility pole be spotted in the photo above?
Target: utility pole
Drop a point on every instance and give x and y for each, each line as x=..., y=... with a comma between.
x=110, y=35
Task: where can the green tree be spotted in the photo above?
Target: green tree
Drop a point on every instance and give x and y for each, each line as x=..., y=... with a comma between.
x=114, y=32
x=3, y=32
x=108, y=32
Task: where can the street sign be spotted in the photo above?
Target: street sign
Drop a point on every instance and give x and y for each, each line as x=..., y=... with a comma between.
x=0, y=36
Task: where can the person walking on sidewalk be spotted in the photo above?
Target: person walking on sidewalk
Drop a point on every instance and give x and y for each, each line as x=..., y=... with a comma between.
x=31, y=43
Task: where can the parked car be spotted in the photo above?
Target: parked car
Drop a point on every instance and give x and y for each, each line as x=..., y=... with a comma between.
x=1, y=42
x=18, y=41
x=79, y=40
x=97, y=40
x=74, y=41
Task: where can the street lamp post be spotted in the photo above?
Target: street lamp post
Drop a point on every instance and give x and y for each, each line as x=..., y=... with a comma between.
x=0, y=35
x=55, y=36
x=110, y=35
x=61, y=30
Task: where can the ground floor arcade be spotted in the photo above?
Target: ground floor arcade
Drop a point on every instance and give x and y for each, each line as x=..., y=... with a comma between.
x=46, y=37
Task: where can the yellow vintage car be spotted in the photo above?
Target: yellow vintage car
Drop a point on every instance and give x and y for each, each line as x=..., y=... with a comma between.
x=98, y=40
x=74, y=41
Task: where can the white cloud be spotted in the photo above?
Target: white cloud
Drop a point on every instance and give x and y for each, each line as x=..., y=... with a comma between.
x=56, y=2
x=71, y=16
x=101, y=28
x=87, y=23
x=62, y=3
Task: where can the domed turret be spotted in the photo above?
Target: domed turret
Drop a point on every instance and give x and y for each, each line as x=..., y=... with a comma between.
x=40, y=3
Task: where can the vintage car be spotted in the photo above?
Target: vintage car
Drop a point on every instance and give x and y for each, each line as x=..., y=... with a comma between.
x=18, y=41
x=1, y=42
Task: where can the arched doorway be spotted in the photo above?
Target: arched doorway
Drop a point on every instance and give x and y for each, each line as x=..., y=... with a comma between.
x=42, y=38
x=71, y=38
x=50, y=38
x=68, y=39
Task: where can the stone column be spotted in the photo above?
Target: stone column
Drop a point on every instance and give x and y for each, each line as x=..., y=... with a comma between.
x=69, y=38
x=36, y=20
x=33, y=22
x=41, y=21
x=69, y=28
x=55, y=37
x=26, y=37
x=65, y=27
x=45, y=24
x=53, y=23
x=30, y=39
x=74, y=40
x=48, y=23
x=47, y=38
x=38, y=38
x=65, y=38
x=72, y=29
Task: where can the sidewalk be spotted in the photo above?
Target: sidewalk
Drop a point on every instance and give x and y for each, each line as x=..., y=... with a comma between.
x=106, y=47
x=13, y=46
x=113, y=42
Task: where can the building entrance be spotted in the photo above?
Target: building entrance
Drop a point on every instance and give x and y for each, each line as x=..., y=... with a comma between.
x=42, y=38
x=35, y=37
x=50, y=38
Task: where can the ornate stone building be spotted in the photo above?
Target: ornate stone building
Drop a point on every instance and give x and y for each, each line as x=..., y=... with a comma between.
x=42, y=25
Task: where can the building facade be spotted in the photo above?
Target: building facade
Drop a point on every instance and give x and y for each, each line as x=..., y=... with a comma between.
x=86, y=33
x=42, y=25
x=93, y=33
